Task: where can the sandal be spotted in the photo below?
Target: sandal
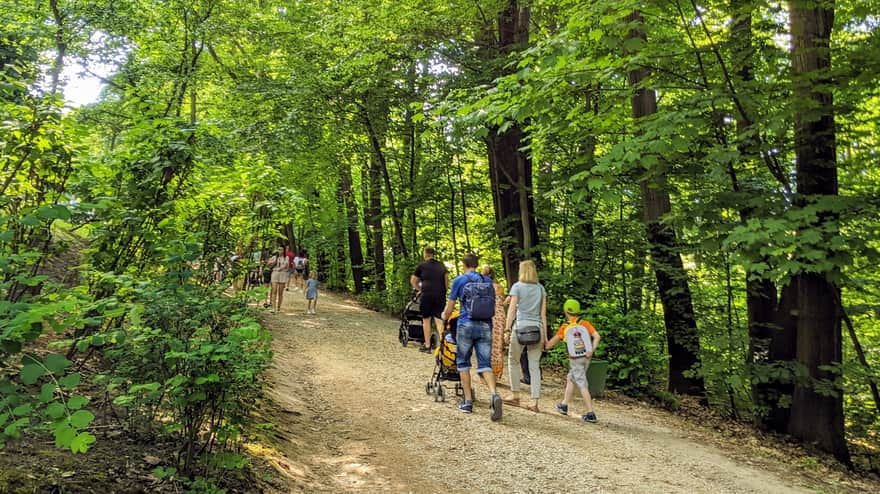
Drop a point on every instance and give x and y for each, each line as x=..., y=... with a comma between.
x=511, y=401
x=532, y=408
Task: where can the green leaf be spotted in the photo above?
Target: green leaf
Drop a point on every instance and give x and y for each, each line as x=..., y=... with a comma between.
x=76, y=402
x=81, y=418
x=55, y=410
x=81, y=443
x=47, y=392
x=64, y=436
x=22, y=410
x=12, y=429
x=162, y=472
x=54, y=212
x=30, y=221
x=31, y=373
x=57, y=363
x=7, y=388
x=70, y=381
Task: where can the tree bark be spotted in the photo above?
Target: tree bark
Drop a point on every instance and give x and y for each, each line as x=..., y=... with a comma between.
x=368, y=248
x=761, y=298
x=510, y=169
x=354, y=237
x=374, y=219
x=816, y=416
x=376, y=135
x=678, y=312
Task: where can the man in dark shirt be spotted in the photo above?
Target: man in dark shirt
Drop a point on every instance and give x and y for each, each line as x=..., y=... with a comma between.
x=431, y=281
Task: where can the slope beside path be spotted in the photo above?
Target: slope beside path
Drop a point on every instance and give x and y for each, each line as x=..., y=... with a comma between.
x=353, y=416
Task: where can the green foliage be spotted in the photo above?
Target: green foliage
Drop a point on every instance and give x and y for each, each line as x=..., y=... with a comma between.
x=190, y=366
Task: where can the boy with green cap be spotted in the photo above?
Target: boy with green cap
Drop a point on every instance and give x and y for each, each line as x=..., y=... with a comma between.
x=582, y=339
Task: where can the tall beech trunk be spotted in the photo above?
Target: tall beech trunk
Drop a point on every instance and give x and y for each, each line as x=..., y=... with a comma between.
x=411, y=147
x=583, y=268
x=368, y=249
x=510, y=169
x=355, y=253
x=761, y=301
x=374, y=219
x=376, y=135
x=816, y=416
x=675, y=295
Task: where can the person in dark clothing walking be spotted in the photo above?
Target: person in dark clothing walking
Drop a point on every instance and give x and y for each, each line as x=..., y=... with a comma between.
x=431, y=281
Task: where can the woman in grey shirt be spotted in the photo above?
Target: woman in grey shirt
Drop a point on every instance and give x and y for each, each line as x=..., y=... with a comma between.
x=527, y=312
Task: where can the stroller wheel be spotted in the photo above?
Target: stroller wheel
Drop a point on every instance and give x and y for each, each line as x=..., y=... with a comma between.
x=441, y=393
x=428, y=388
x=404, y=339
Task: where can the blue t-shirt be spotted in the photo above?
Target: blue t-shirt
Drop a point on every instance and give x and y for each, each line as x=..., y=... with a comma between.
x=457, y=292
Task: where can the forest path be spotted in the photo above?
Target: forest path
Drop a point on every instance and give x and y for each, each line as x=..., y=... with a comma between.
x=353, y=416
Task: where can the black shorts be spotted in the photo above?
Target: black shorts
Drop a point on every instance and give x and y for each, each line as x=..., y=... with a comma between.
x=267, y=276
x=431, y=305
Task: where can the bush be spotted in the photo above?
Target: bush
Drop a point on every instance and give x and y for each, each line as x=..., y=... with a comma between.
x=189, y=365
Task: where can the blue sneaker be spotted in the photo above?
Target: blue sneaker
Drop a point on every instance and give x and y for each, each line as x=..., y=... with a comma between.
x=562, y=408
x=590, y=417
x=465, y=406
x=495, y=406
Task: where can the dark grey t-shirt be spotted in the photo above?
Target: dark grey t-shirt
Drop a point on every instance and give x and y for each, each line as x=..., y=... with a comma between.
x=528, y=306
x=432, y=274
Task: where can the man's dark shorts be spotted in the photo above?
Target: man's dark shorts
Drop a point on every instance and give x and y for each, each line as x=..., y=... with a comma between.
x=432, y=304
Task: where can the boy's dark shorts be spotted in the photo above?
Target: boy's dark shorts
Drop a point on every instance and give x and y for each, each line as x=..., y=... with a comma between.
x=432, y=304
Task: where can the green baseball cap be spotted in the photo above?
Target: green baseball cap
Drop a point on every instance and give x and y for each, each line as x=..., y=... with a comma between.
x=572, y=306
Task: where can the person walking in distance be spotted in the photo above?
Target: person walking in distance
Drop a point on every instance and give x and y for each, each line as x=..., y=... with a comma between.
x=430, y=281
x=476, y=296
x=279, y=264
x=312, y=292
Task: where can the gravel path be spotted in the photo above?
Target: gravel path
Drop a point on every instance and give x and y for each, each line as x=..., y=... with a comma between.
x=353, y=416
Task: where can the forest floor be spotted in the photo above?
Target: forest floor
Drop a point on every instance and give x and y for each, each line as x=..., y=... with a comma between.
x=351, y=415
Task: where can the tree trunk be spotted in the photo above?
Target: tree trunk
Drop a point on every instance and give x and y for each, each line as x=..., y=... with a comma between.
x=464, y=215
x=816, y=415
x=761, y=299
x=376, y=134
x=510, y=169
x=374, y=218
x=368, y=248
x=678, y=312
x=354, y=237
x=411, y=145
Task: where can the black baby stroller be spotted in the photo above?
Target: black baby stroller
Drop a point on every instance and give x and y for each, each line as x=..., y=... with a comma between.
x=411, y=323
x=445, y=368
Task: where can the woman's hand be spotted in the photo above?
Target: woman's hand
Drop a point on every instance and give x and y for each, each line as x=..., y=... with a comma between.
x=507, y=336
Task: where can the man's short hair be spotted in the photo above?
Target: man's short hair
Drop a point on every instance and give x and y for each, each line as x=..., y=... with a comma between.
x=470, y=260
x=429, y=251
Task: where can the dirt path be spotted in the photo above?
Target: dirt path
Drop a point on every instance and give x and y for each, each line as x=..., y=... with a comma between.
x=354, y=417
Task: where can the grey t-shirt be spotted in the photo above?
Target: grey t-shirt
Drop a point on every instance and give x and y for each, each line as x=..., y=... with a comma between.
x=529, y=298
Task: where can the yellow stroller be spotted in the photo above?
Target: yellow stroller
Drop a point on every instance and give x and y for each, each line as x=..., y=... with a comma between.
x=445, y=368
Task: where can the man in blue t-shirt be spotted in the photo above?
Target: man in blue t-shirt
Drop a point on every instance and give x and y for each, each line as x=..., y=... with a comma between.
x=472, y=335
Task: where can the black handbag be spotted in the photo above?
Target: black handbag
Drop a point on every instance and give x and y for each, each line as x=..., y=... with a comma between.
x=528, y=335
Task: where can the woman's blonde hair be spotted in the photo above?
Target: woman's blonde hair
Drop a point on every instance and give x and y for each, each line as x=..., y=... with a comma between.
x=528, y=273
x=487, y=270
x=313, y=275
